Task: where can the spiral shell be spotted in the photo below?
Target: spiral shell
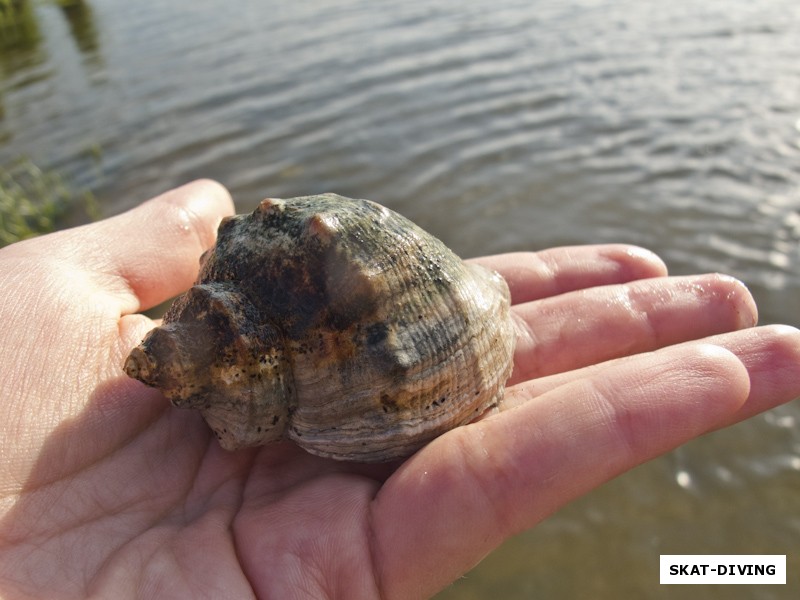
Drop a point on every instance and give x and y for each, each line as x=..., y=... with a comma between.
x=336, y=323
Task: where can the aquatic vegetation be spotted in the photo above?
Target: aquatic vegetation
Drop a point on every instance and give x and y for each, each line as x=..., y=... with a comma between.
x=35, y=201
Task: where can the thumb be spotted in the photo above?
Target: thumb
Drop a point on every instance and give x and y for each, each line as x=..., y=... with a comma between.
x=153, y=250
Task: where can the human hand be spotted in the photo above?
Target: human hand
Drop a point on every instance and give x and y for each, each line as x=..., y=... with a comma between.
x=107, y=490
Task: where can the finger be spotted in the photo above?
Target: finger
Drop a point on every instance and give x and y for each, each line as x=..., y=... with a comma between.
x=457, y=499
x=771, y=355
x=152, y=251
x=534, y=275
x=585, y=327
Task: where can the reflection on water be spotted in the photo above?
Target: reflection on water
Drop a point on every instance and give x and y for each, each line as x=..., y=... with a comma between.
x=28, y=59
x=496, y=125
x=18, y=27
x=78, y=14
x=20, y=33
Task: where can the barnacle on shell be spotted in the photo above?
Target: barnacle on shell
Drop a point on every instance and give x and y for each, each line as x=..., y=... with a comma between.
x=336, y=323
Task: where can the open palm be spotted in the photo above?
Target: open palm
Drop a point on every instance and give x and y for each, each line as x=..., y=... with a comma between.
x=107, y=490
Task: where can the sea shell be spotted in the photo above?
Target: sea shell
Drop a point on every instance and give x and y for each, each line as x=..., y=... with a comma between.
x=335, y=323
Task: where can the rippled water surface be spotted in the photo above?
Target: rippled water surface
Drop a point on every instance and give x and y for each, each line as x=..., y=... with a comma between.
x=498, y=126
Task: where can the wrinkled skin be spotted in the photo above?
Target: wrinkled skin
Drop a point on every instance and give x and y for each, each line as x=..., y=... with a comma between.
x=109, y=491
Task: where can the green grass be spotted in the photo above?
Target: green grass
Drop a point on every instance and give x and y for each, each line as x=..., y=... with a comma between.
x=35, y=201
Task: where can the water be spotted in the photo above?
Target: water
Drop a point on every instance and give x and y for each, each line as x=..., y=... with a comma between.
x=498, y=126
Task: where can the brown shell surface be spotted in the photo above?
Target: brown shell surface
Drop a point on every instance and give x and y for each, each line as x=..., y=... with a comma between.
x=336, y=323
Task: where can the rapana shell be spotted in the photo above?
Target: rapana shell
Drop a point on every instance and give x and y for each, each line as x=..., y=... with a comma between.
x=336, y=323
